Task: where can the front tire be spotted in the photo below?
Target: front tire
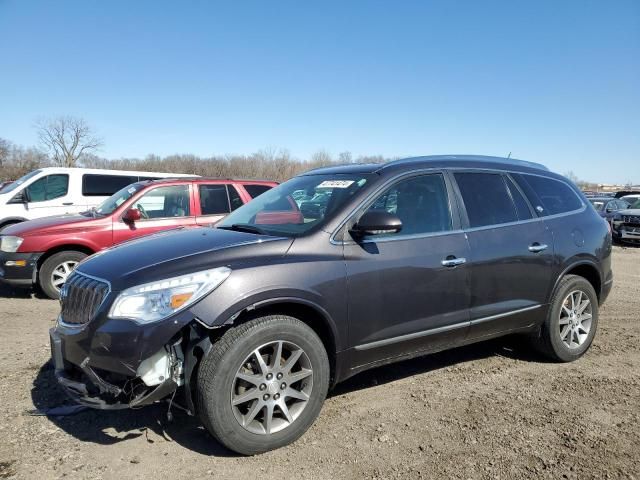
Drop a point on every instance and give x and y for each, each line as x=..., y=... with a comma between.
x=56, y=269
x=571, y=322
x=263, y=384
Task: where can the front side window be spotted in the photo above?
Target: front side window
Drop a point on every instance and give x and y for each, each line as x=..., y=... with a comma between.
x=48, y=188
x=421, y=203
x=555, y=196
x=486, y=199
x=98, y=185
x=214, y=200
x=298, y=205
x=164, y=202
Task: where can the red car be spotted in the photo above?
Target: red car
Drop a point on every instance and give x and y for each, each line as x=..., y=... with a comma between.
x=45, y=250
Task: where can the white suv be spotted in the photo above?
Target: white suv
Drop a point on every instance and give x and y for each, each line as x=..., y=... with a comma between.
x=57, y=191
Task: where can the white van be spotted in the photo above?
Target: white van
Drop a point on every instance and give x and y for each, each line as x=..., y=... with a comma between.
x=56, y=191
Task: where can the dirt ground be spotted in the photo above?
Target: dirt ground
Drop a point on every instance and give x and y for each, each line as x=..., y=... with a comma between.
x=492, y=410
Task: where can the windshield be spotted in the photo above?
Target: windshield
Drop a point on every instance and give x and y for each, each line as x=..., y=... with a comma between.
x=597, y=204
x=635, y=203
x=296, y=206
x=114, y=201
x=12, y=186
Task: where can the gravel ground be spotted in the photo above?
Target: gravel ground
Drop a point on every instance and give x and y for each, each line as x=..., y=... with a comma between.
x=492, y=410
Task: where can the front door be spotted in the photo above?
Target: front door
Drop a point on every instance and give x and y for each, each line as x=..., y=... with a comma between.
x=161, y=208
x=408, y=291
x=47, y=196
x=511, y=260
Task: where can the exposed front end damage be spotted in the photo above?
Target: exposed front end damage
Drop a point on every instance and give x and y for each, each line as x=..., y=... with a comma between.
x=156, y=377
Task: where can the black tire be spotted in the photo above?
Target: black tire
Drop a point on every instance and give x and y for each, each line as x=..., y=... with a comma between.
x=217, y=374
x=45, y=280
x=549, y=341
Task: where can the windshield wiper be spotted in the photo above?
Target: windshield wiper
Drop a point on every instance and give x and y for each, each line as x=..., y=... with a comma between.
x=244, y=227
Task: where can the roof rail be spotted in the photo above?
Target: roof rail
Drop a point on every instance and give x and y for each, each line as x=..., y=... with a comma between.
x=478, y=158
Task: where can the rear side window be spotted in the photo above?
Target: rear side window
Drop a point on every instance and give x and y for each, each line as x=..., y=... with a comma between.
x=255, y=190
x=96, y=185
x=486, y=199
x=234, y=198
x=214, y=200
x=48, y=188
x=522, y=207
x=554, y=196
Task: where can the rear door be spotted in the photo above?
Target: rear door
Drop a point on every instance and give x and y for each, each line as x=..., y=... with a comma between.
x=161, y=208
x=511, y=253
x=408, y=291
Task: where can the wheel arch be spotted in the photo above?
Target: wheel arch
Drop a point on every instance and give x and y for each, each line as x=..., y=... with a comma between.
x=586, y=269
x=11, y=221
x=62, y=248
x=311, y=314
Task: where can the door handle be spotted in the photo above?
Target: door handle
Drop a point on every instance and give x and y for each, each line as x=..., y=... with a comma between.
x=67, y=203
x=452, y=261
x=537, y=247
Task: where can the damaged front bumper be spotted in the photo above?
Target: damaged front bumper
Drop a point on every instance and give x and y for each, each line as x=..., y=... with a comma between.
x=156, y=377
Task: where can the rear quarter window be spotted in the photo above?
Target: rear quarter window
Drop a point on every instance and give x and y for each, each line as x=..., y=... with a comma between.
x=255, y=190
x=97, y=185
x=553, y=196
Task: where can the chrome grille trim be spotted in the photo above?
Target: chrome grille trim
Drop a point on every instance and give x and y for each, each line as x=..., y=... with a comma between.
x=84, y=296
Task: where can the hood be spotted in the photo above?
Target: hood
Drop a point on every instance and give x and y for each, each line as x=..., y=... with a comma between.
x=59, y=223
x=177, y=252
x=628, y=211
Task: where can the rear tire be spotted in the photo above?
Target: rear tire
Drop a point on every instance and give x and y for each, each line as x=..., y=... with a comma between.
x=55, y=270
x=571, y=322
x=251, y=405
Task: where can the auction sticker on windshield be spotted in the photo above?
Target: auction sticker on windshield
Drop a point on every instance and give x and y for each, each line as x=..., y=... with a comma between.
x=335, y=184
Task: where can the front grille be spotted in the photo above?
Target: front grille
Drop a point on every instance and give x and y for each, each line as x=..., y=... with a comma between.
x=80, y=297
x=632, y=219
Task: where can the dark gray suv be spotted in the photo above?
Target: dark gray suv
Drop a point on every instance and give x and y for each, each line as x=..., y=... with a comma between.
x=334, y=272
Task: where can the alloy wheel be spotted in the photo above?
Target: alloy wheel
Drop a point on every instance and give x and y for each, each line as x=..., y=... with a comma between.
x=272, y=387
x=575, y=319
x=61, y=273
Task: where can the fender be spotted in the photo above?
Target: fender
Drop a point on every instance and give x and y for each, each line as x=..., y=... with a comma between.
x=211, y=315
x=71, y=242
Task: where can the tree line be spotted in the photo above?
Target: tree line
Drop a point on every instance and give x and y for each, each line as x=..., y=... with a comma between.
x=70, y=142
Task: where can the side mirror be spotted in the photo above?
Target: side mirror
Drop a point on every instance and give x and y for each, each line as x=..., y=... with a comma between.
x=132, y=215
x=21, y=197
x=376, y=223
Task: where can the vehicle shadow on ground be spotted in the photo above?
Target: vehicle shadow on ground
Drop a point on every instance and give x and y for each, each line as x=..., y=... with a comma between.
x=108, y=427
x=7, y=291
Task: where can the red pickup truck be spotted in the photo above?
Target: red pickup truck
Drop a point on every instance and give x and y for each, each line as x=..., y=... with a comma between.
x=45, y=250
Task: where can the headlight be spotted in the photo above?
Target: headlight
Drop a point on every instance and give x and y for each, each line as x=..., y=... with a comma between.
x=10, y=244
x=157, y=300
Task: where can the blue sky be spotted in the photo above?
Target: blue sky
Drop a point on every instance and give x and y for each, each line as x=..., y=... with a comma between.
x=556, y=82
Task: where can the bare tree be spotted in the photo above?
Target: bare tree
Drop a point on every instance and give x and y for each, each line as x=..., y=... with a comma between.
x=67, y=139
x=5, y=148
